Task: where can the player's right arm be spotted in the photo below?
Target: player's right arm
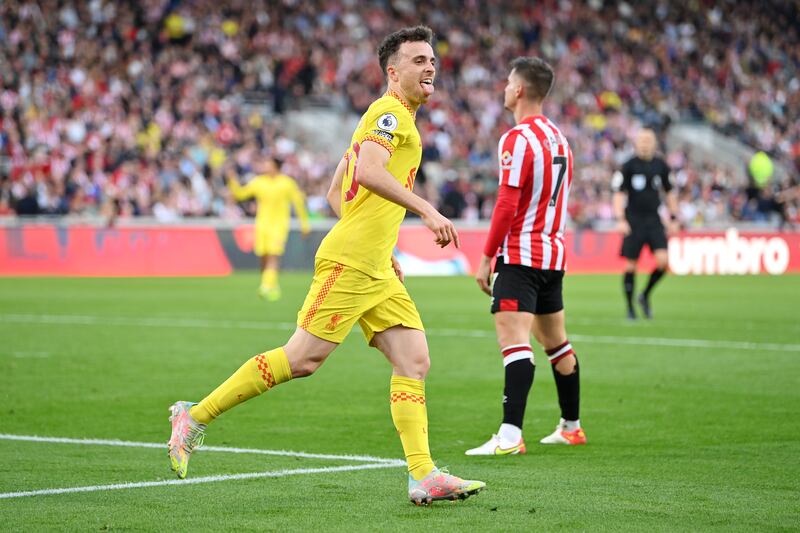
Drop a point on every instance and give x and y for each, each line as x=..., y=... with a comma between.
x=239, y=192
x=619, y=200
x=372, y=174
x=335, y=190
x=515, y=160
x=502, y=217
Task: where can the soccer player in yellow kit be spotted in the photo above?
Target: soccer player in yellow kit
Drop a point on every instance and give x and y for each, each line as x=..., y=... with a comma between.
x=275, y=193
x=356, y=279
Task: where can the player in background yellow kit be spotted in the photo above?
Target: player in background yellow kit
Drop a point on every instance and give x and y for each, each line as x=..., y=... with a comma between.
x=356, y=278
x=274, y=193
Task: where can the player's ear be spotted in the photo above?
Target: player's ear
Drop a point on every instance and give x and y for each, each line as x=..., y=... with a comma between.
x=391, y=72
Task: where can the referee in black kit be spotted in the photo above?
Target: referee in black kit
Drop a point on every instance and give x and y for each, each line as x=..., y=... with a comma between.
x=641, y=179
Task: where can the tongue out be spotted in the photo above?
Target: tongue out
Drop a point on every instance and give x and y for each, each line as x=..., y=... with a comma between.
x=427, y=88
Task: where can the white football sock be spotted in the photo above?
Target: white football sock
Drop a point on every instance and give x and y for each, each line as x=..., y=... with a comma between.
x=509, y=433
x=570, y=425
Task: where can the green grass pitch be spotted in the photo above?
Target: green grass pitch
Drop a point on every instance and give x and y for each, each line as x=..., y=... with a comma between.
x=691, y=417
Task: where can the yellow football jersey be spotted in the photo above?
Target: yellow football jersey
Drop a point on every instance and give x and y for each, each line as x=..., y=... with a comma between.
x=366, y=234
x=274, y=197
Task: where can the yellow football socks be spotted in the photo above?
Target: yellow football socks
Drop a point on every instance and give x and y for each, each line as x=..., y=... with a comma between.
x=257, y=375
x=410, y=416
x=269, y=278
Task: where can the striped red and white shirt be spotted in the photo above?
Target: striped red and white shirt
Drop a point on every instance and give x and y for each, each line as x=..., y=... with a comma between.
x=535, y=177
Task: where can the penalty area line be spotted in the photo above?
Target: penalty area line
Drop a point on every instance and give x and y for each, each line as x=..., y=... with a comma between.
x=199, y=480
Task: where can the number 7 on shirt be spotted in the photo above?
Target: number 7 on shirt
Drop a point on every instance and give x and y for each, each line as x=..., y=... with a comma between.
x=561, y=161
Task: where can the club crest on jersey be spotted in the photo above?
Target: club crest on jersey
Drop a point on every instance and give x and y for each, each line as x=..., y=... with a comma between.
x=387, y=122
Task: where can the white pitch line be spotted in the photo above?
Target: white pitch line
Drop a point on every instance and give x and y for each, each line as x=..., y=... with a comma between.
x=222, y=449
x=155, y=322
x=687, y=343
x=639, y=341
x=197, y=480
x=440, y=332
x=30, y=355
x=660, y=323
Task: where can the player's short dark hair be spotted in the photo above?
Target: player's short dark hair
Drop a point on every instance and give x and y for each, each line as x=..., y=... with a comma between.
x=391, y=43
x=270, y=157
x=536, y=74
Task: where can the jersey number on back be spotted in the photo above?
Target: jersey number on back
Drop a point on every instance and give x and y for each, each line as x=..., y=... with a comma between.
x=561, y=161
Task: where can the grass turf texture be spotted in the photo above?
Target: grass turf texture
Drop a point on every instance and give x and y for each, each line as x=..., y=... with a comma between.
x=682, y=435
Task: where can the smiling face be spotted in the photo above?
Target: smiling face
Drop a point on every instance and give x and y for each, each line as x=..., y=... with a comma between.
x=412, y=70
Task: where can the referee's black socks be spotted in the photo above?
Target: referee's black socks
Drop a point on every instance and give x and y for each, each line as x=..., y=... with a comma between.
x=628, y=283
x=656, y=275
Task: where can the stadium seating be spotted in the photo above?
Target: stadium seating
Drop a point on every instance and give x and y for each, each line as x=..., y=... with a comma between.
x=132, y=109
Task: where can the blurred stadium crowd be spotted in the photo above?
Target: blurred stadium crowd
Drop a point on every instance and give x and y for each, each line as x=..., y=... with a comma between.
x=135, y=108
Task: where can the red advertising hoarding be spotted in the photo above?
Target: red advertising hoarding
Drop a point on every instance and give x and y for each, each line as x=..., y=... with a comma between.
x=51, y=250
x=61, y=250
x=729, y=252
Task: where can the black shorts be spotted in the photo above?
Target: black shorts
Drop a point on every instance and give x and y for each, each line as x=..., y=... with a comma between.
x=649, y=231
x=526, y=289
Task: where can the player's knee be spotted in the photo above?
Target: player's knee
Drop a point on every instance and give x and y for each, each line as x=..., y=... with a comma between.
x=567, y=365
x=420, y=365
x=305, y=366
x=425, y=364
x=302, y=369
x=551, y=337
x=508, y=334
x=415, y=366
x=540, y=339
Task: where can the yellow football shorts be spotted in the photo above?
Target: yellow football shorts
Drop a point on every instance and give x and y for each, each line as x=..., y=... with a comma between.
x=341, y=295
x=270, y=240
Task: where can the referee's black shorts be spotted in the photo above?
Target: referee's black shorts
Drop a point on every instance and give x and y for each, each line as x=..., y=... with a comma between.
x=525, y=289
x=645, y=230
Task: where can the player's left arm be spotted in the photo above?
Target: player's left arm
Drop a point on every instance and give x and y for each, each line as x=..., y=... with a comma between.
x=505, y=209
x=299, y=203
x=335, y=190
x=671, y=199
x=511, y=172
x=373, y=175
